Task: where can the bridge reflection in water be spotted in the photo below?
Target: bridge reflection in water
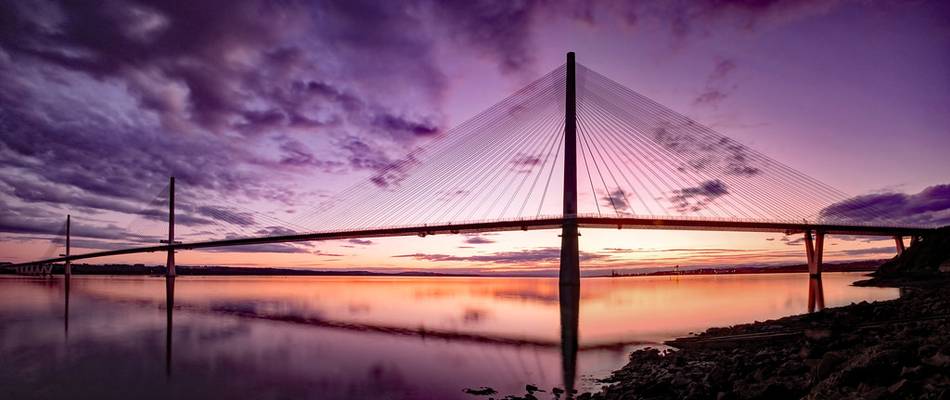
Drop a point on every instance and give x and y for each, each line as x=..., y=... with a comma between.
x=169, y=310
x=569, y=317
x=816, y=294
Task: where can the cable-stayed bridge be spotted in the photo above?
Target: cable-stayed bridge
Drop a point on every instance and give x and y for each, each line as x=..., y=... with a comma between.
x=573, y=149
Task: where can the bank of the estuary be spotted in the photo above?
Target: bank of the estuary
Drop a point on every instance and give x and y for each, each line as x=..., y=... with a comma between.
x=889, y=349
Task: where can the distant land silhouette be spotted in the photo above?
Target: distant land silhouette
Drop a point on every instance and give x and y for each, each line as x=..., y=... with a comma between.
x=214, y=270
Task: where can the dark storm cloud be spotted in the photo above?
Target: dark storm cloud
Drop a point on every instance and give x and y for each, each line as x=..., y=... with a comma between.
x=930, y=206
x=687, y=19
x=697, y=198
x=13, y=223
x=499, y=29
x=102, y=101
x=191, y=74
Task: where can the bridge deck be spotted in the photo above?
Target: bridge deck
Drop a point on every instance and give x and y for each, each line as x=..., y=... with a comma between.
x=517, y=224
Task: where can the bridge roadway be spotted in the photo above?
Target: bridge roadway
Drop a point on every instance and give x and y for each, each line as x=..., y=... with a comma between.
x=583, y=220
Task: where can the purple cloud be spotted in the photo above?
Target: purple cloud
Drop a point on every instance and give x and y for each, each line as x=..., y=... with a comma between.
x=697, y=198
x=524, y=162
x=617, y=199
x=929, y=207
x=477, y=239
x=715, y=90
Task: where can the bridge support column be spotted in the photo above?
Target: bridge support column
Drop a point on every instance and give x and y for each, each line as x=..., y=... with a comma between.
x=170, y=263
x=899, y=241
x=814, y=250
x=67, y=265
x=67, y=276
x=570, y=272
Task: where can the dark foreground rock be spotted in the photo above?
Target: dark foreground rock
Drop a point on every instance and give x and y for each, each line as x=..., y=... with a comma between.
x=922, y=259
x=894, y=349
x=897, y=349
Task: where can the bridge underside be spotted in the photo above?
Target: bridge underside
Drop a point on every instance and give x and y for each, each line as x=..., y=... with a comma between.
x=514, y=225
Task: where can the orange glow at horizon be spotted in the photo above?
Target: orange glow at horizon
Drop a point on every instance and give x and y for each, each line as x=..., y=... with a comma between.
x=514, y=252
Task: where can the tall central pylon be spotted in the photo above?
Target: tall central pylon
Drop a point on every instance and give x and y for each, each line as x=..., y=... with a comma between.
x=570, y=273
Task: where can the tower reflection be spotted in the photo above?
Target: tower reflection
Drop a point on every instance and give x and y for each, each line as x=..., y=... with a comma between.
x=66, y=304
x=169, y=308
x=816, y=294
x=569, y=299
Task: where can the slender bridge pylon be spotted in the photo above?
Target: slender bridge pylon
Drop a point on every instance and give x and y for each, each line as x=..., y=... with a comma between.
x=626, y=162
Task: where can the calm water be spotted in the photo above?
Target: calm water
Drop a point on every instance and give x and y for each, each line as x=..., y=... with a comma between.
x=343, y=337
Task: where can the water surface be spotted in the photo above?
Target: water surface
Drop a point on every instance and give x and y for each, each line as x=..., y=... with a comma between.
x=363, y=337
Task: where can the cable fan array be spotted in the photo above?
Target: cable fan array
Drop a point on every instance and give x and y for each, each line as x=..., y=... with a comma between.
x=636, y=159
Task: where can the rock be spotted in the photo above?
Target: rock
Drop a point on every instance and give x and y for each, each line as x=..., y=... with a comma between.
x=938, y=360
x=927, y=350
x=896, y=387
x=817, y=334
x=910, y=372
x=828, y=365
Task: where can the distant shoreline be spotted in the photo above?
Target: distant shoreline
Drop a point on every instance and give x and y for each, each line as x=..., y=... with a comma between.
x=850, y=266
x=184, y=270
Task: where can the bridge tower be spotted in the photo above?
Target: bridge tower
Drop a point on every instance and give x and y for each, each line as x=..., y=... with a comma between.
x=170, y=264
x=67, y=265
x=570, y=260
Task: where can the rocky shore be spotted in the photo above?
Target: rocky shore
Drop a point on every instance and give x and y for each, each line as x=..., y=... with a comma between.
x=898, y=349
x=892, y=349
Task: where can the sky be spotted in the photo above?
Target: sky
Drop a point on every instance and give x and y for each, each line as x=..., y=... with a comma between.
x=264, y=111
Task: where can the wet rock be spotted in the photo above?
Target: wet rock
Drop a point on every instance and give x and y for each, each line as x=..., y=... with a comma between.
x=938, y=360
x=482, y=391
x=897, y=387
x=828, y=364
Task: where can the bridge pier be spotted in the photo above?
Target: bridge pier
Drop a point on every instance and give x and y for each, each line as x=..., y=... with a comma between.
x=170, y=263
x=67, y=265
x=814, y=251
x=899, y=241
